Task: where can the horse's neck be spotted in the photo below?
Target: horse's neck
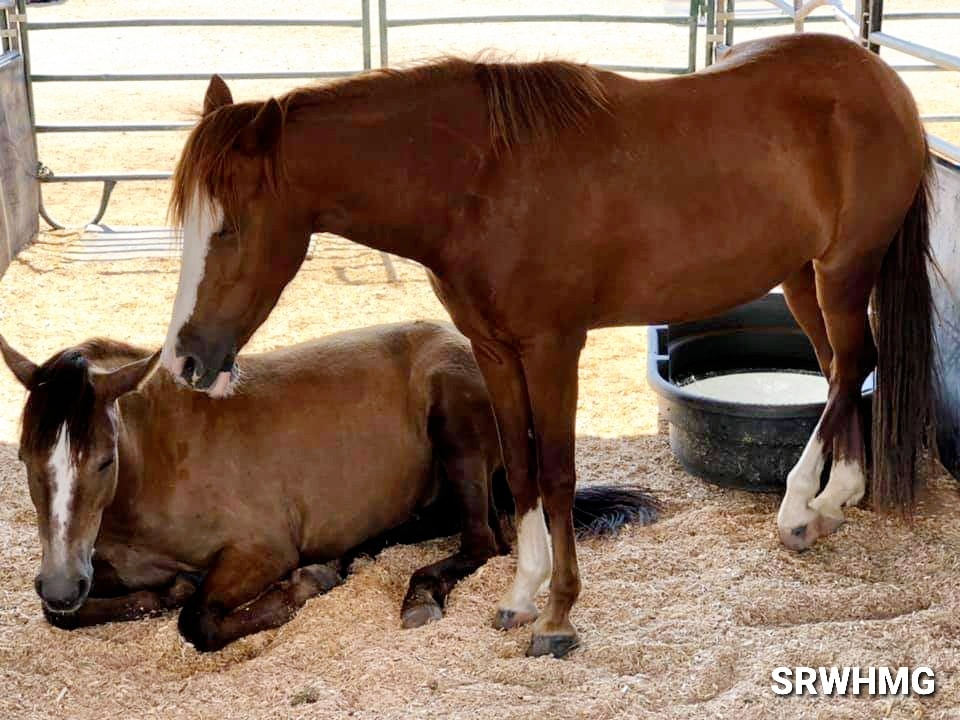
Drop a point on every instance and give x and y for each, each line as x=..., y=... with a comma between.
x=392, y=176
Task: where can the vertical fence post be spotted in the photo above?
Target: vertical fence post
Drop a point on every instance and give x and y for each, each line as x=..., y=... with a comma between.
x=382, y=20
x=25, y=51
x=694, y=23
x=365, y=30
x=876, y=22
x=862, y=14
x=728, y=24
x=711, y=32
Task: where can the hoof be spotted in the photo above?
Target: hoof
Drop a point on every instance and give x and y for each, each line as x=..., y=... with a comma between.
x=420, y=615
x=803, y=537
x=509, y=619
x=556, y=645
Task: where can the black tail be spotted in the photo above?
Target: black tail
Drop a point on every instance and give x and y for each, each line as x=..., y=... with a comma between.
x=903, y=405
x=597, y=509
x=604, y=509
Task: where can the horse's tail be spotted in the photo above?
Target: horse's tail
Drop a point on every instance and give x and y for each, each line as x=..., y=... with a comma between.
x=597, y=509
x=604, y=509
x=903, y=405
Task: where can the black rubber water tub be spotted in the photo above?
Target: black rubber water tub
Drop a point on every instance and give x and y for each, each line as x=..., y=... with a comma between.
x=739, y=444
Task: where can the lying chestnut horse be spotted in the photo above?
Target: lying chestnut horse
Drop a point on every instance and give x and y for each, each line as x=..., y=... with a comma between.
x=547, y=199
x=325, y=447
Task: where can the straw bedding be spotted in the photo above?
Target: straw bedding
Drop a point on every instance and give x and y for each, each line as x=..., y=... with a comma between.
x=682, y=619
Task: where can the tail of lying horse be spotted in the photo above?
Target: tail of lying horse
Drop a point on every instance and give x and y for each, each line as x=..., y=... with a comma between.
x=605, y=509
x=903, y=406
x=597, y=509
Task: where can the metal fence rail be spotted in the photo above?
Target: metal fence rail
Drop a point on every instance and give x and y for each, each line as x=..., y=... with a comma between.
x=109, y=180
x=864, y=24
x=690, y=21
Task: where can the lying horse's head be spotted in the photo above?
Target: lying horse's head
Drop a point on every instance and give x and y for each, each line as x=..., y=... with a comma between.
x=68, y=443
x=242, y=241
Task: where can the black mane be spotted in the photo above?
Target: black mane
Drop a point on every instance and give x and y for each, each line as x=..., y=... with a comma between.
x=61, y=392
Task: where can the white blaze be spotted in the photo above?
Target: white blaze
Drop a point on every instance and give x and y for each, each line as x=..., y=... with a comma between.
x=534, y=562
x=201, y=220
x=64, y=475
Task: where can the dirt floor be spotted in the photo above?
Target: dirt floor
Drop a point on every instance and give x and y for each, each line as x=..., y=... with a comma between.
x=683, y=619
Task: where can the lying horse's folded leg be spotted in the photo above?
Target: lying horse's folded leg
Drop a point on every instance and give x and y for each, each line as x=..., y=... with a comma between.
x=469, y=476
x=241, y=595
x=132, y=606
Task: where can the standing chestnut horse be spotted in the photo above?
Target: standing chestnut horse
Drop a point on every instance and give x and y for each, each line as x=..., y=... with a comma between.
x=546, y=199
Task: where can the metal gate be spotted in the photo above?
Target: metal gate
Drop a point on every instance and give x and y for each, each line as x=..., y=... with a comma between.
x=385, y=21
x=18, y=152
x=109, y=179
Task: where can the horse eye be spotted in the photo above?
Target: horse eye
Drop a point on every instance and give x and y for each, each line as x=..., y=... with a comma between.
x=105, y=464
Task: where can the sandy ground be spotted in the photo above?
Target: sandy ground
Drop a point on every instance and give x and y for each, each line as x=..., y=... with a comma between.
x=684, y=619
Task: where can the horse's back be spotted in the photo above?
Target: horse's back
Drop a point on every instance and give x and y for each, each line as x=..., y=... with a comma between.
x=693, y=194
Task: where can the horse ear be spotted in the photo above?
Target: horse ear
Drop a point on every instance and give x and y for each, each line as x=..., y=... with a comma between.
x=20, y=366
x=261, y=136
x=218, y=95
x=114, y=383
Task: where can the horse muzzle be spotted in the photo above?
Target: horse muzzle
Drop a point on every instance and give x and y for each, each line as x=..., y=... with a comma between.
x=209, y=368
x=62, y=594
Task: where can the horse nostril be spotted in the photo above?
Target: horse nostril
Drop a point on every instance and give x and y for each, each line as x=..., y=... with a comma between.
x=83, y=587
x=38, y=586
x=192, y=368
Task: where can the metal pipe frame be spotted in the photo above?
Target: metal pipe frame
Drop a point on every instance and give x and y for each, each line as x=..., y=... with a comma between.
x=690, y=21
x=192, y=22
x=109, y=180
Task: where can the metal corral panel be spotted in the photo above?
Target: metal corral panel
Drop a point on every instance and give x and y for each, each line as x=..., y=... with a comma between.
x=19, y=212
x=946, y=243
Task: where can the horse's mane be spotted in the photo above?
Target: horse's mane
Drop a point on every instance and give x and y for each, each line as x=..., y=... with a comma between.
x=61, y=392
x=525, y=101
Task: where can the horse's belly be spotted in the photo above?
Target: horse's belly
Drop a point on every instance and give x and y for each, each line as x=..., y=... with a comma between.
x=377, y=493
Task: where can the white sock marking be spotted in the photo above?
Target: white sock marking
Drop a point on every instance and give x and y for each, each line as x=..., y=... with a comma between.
x=534, y=562
x=847, y=484
x=201, y=220
x=64, y=475
x=802, y=485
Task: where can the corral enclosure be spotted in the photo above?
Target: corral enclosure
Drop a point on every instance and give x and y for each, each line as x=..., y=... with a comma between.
x=686, y=618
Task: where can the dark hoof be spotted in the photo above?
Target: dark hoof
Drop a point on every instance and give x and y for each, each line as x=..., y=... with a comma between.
x=419, y=615
x=556, y=645
x=196, y=627
x=509, y=619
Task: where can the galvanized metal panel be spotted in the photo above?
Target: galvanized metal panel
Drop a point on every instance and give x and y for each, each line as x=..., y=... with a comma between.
x=945, y=235
x=18, y=163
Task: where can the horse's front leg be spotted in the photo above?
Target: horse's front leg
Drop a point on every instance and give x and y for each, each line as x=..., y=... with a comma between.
x=503, y=374
x=242, y=594
x=550, y=367
x=132, y=606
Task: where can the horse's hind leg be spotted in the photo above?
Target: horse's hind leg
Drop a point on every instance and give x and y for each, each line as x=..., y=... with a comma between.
x=800, y=292
x=843, y=297
x=463, y=439
x=855, y=357
x=803, y=481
